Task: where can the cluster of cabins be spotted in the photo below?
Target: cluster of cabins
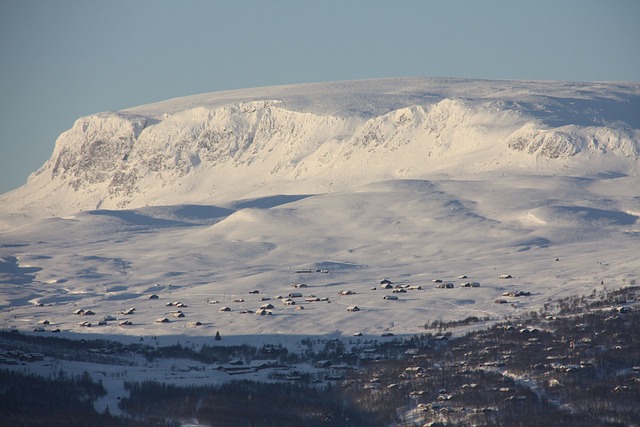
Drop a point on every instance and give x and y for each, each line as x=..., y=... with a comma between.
x=440, y=284
x=512, y=293
x=14, y=357
x=293, y=298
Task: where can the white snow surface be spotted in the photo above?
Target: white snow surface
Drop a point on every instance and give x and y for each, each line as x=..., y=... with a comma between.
x=208, y=197
x=320, y=138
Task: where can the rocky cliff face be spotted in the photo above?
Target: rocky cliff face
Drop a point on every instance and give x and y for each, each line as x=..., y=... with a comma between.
x=174, y=154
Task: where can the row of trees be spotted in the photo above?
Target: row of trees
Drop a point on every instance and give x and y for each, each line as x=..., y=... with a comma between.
x=246, y=403
x=33, y=400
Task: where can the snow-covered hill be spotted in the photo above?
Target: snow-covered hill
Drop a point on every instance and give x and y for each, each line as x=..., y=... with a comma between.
x=333, y=136
x=338, y=185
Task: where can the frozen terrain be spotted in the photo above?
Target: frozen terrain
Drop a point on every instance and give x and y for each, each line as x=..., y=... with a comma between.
x=207, y=199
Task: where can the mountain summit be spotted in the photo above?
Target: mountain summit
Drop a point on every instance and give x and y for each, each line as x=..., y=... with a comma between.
x=331, y=136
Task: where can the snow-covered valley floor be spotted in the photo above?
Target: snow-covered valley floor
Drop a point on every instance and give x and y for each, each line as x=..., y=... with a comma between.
x=556, y=236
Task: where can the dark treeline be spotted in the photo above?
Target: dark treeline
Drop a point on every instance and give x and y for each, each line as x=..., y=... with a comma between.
x=27, y=400
x=247, y=403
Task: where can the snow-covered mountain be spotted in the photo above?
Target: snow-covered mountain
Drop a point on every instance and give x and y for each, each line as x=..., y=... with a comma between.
x=334, y=136
x=213, y=197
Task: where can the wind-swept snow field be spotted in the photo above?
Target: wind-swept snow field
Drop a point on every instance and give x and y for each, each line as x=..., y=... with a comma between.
x=206, y=199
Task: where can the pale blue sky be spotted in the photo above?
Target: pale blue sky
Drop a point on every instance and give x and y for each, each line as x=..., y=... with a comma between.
x=68, y=58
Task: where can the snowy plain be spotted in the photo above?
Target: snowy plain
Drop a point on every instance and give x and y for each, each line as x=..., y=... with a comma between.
x=226, y=199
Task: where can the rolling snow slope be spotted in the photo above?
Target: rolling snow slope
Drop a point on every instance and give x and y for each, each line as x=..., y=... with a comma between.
x=206, y=198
